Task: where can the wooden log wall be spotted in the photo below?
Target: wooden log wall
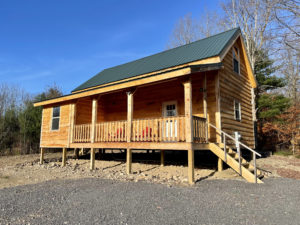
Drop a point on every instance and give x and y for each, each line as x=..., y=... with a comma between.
x=56, y=138
x=236, y=86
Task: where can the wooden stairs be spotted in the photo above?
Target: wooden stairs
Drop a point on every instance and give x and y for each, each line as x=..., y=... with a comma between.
x=246, y=170
x=234, y=159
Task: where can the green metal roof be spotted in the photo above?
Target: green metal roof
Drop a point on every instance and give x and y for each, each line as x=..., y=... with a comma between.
x=201, y=49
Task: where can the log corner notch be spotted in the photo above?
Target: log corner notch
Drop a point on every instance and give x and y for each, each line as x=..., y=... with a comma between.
x=188, y=111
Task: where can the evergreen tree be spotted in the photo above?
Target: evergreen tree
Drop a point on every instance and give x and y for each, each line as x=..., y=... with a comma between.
x=269, y=104
x=30, y=120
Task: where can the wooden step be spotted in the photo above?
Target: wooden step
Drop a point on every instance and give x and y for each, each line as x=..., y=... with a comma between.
x=234, y=164
x=235, y=155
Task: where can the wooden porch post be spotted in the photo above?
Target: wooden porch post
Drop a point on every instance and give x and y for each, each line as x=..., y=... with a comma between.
x=218, y=107
x=94, y=119
x=205, y=105
x=93, y=132
x=72, y=121
x=129, y=115
x=189, y=128
x=191, y=166
x=129, y=130
x=188, y=110
x=42, y=156
x=64, y=157
x=162, y=158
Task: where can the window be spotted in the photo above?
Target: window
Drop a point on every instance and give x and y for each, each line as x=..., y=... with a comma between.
x=169, y=109
x=55, y=118
x=236, y=60
x=237, y=110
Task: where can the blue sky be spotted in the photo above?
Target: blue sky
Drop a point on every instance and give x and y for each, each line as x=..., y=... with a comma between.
x=68, y=41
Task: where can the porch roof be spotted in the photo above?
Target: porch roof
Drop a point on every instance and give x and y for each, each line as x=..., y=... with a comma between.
x=195, y=51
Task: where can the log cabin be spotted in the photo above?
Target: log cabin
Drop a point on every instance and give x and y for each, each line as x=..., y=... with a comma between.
x=194, y=97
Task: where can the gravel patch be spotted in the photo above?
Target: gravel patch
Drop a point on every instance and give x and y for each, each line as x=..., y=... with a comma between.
x=102, y=201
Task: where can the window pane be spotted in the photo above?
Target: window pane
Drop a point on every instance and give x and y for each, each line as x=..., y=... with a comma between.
x=236, y=66
x=55, y=123
x=171, y=113
x=237, y=112
x=56, y=111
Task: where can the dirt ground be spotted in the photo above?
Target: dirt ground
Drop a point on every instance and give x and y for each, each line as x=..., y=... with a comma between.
x=25, y=169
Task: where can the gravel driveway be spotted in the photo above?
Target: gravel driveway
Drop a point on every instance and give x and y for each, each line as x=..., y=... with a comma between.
x=99, y=201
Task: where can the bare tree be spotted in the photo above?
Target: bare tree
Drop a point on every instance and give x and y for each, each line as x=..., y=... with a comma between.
x=189, y=29
x=253, y=17
x=291, y=72
x=287, y=26
x=185, y=32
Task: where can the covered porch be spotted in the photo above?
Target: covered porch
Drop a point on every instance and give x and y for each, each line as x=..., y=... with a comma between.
x=173, y=111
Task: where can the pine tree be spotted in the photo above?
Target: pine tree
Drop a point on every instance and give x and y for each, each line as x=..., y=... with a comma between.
x=269, y=104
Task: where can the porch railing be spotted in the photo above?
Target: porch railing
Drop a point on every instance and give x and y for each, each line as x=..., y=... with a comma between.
x=111, y=131
x=200, y=129
x=167, y=129
x=82, y=133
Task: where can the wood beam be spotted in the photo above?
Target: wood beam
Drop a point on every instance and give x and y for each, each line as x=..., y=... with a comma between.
x=76, y=153
x=162, y=158
x=64, y=157
x=92, y=162
x=220, y=164
x=188, y=110
x=129, y=115
x=94, y=119
x=42, y=156
x=191, y=166
x=128, y=161
x=117, y=87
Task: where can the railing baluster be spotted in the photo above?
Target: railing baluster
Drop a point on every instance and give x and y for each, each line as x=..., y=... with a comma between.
x=225, y=150
x=239, y=153
x=255, y=169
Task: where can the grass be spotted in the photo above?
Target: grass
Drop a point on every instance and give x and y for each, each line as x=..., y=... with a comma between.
x=4, y=177
x=287, y=153
x=283, y=153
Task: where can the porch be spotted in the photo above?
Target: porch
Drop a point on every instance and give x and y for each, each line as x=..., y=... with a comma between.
x=172, y=114
x=161, y=129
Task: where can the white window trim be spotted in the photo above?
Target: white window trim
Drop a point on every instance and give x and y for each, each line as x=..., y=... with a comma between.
x=238, y=59
x=164, y=104
x=51, y=121
x=237, y=119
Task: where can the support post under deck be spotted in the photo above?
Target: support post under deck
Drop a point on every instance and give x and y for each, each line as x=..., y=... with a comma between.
x=42, y=156
x=64, y=157
x=128, y=161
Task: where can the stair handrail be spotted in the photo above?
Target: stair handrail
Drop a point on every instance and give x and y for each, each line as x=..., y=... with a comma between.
x=238, y=144
x=242, y=144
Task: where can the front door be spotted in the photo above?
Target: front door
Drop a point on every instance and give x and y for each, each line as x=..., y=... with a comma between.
x=170, y=110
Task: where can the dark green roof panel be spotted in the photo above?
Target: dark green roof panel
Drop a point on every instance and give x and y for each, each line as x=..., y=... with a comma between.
x=204, y=48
